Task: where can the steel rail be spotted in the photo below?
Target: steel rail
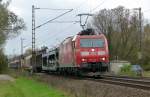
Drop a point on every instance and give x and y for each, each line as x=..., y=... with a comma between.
x=141, y=81
x=123, y=76
x=128, y=82
x=124, y=83
x=116, y=80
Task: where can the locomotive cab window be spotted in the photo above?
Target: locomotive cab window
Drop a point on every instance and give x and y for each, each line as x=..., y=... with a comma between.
x=91, y=43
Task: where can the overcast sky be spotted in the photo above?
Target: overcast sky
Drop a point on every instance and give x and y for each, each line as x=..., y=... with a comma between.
x=53, y=33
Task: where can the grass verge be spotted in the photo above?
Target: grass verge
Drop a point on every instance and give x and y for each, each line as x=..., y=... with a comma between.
x=146, y=73
x=24, y=87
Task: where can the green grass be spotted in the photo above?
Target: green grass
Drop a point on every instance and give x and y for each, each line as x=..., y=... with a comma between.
x=23, y=87
x=146, y=73
x=126, y=70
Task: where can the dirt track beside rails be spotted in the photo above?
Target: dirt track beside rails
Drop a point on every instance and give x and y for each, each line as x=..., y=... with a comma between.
x=85, y=88
x=4, y=77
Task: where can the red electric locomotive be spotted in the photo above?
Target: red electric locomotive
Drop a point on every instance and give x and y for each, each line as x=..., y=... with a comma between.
x=85, y=51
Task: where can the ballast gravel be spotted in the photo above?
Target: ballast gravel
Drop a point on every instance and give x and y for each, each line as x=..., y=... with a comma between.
x=86, y=88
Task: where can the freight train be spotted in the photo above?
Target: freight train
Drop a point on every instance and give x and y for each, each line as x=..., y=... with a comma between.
x=85, y=52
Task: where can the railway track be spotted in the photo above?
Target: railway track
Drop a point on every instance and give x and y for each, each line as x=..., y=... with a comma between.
x=124, y=81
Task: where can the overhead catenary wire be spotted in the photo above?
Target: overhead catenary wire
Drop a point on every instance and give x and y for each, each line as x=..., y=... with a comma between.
x=80, y=6
x=67, y=22
x=51, y=9
x=64, y=22
x=59, y=15
x=103, y=3
x=53, y=36
x=146, y=10
x=33, y=32
x=53, y=19
x=98, y=6
x=87, y=16
x=77, y=7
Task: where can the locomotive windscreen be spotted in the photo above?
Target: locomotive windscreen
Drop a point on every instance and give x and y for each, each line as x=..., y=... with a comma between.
x=91, y=43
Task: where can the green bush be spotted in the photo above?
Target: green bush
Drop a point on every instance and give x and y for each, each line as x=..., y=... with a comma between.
x=126, y=70
x=146, y=67
x=3, y=62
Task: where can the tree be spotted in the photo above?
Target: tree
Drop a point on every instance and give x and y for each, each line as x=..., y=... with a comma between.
x=3, y=62
x=145, y=47
x=10, y=26
x=121, y=29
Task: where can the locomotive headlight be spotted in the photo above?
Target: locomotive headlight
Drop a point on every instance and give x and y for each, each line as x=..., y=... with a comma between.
x=103, y=59
x=101, y=52
x=84, y=53
x=83, y=60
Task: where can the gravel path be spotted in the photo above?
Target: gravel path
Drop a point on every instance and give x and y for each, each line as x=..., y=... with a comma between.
x=84, y=88
x=4, y=77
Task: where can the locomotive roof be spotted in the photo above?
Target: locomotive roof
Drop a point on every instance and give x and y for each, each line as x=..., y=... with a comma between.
x=88, y=31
